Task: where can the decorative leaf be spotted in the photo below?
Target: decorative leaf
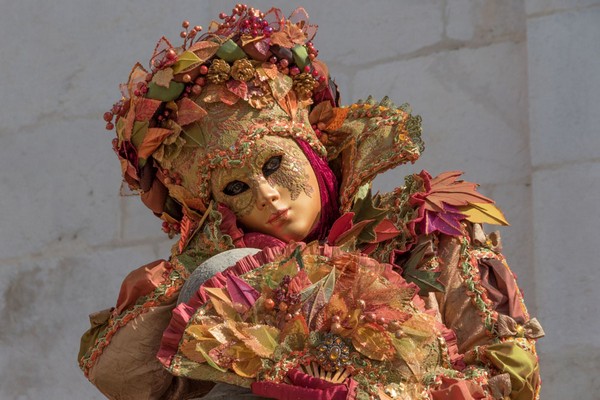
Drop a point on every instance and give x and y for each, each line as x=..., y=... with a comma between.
x=188, y=228
x=227, y=97
x=447, y=221
x=163, y=77
x=281, y=39
x=145, y=108
x=427, y=281
x=290, y=35
x=261, y=339
x=316, y=296
x=289, y=104
x=341, y=225
x=221, y=302
x=204, y=49
x=446, y=189
x=373, y=341
x=239, y=88
x=295, y=333
x=385, y=230
x=267, y=71
x=165, y=94
x=247, y=368
x=481, y=213
x=152, y=140
x=241, y=292
x=189, y=112
x=280, y=86
x=322, y=113
x=186, y=61
x=230, y=51
x=140, y=128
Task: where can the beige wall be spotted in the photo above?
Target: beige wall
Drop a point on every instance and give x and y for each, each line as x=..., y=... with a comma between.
x=509, y=92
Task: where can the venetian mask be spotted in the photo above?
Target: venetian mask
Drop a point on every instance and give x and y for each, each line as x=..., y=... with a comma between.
x=275, y=192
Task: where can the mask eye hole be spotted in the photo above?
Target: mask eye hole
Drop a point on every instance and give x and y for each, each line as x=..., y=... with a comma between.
x=235, y=187
x=271, y=166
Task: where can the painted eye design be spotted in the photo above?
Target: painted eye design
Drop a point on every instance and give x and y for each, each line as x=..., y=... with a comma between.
x=271, y=166
x=234, y=188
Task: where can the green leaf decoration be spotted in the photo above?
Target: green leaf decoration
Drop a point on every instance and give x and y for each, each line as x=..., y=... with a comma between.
x=186, y=61
x=300, y=56
x=230, y=51
x=364, y=209
x=317, y=295
x=165, y=94
x=425, y=280
x=139, y=132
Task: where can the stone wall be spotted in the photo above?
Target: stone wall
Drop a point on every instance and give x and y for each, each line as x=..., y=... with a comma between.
x=508, y=90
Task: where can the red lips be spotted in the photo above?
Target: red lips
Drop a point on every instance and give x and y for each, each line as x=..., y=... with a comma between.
x=279, y=215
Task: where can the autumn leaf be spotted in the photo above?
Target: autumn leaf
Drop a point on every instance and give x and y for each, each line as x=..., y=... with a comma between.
x=316, y=296
x=289, y=104
x=267, y=71
x=480, y=213
x=322, y=113
x=186, y=61
x=280, y=86
x=446, y=221
x=145, y=109
x=373, y=341
x=204, y=49
x=140, y=128
x=239, y=88
x=189, y=112
x=241, y=292
x=290, y=35
x=227, y=96
x=427, y=281
x=154, y=137
x=446, y=189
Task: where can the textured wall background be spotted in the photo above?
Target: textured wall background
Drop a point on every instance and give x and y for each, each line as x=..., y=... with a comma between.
x=509, y=92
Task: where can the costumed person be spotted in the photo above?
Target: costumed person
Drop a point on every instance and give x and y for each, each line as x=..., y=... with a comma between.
x=301, y=284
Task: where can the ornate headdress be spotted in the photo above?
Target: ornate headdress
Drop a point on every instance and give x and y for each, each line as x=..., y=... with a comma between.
x=202, y=105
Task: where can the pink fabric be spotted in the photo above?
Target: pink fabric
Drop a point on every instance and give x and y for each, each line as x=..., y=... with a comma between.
x=328, y=188
x=304, y=386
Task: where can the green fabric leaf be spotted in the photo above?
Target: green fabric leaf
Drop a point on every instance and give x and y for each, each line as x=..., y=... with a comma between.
x=427, y=281
x=186, y=61
x=300, y=56
x=139, y=132
x=230, y=51
x=165, y=94
x=363, y=210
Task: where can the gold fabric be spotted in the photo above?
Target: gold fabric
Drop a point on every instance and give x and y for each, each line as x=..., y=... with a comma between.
x=521, y=365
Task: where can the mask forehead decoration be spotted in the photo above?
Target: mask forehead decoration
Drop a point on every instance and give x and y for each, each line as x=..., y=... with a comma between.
x=204, y=106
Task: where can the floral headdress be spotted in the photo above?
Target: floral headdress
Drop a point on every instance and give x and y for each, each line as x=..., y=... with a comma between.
x=203, y=104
